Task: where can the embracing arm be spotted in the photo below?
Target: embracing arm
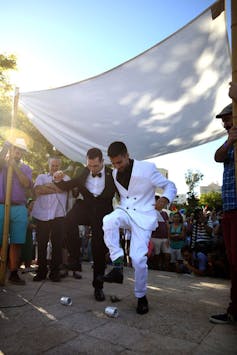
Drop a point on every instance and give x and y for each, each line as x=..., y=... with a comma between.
x=46, y=189
x=69, y=185
x=222, y=152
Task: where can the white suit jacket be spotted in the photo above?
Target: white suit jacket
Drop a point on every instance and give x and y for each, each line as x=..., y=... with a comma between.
x=139, y=200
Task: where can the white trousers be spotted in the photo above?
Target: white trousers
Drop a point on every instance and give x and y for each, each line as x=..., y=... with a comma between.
x=138, y=245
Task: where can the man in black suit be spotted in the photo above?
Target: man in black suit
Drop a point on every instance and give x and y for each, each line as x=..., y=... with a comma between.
x=97, y=187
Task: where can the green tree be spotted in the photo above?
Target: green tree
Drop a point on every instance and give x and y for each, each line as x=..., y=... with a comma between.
x=40, y=148
x=192, y=179
x=211, y=199
x=7, y=63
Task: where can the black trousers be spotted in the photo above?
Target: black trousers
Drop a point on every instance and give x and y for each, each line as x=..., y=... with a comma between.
x=55, y=231
x=89, y=215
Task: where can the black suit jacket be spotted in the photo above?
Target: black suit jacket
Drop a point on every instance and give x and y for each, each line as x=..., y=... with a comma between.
x=102, y=204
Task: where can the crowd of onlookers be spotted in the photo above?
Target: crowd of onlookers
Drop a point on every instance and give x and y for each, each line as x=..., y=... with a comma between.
x=190, y=244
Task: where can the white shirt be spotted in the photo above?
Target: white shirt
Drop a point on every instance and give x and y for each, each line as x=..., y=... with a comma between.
x=96, y=184
x=48, y=207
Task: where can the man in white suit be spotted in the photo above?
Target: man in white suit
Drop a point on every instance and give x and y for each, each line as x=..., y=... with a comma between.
x=136, y=182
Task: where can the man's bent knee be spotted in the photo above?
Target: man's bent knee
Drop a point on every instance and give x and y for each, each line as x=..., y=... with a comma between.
x=110, y=222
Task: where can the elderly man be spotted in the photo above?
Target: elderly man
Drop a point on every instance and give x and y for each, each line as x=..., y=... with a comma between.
x=21, y=180
x=49, y=211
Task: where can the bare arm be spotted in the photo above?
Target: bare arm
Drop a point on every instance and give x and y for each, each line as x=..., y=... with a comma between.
x=222, y=152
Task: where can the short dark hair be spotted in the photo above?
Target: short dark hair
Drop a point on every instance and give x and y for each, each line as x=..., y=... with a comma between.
x=117, y=148
x=180, y=216
x=94, y=153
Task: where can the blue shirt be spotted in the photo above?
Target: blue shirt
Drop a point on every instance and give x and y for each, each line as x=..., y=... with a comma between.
x=229, y=199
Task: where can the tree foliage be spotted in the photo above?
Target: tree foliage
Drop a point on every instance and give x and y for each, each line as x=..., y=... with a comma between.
x=192, y=179
x=211, y=199
x=40, y=149
x=7, y=63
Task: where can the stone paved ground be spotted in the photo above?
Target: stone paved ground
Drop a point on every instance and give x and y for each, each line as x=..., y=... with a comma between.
x=34, y=322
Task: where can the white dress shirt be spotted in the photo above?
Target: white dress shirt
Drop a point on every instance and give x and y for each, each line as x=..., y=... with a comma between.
x=96, y=184
x=48, y=207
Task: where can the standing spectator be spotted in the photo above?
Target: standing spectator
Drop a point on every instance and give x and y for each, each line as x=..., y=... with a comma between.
x=49, y=211
x=176, y=235
x=159, y=237
x=21, y=180
x=213, y=220
x=201, y=239
x=225, y=154
x=96, y=185
x=136, y=182
x=27, y=248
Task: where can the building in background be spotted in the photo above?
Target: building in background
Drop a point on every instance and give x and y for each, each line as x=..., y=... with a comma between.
x=210, y=188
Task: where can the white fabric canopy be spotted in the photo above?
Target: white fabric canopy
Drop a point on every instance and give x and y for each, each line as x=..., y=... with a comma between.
x=162, y=101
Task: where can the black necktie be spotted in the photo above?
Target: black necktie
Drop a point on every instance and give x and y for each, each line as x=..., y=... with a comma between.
x=99, y=175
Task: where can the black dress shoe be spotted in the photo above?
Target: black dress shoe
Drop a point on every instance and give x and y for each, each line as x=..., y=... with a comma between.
x=142, y=305
x=115, y=275
x=99, y=294
x=77, y=275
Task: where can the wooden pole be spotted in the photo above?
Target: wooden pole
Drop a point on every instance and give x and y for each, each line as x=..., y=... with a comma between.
x=234, y=69
x=4, y=248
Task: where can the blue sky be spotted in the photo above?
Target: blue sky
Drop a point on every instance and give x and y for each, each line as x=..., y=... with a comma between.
x=61, y=42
